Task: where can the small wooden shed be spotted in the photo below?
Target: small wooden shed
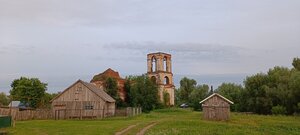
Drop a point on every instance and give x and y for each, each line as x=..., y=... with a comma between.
x=216, y=107
x=83, y=100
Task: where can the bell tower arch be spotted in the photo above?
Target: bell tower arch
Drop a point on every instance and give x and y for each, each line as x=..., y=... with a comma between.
x=159, y=69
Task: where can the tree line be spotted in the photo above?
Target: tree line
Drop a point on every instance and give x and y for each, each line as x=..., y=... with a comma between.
x=274, y=92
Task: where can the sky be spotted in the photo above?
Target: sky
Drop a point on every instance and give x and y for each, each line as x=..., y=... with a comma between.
x=212, y=41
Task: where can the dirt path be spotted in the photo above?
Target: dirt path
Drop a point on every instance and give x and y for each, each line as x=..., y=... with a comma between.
x=125, y=130
x=143, y=131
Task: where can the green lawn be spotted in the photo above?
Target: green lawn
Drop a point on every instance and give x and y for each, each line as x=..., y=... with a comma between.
x=169, y=122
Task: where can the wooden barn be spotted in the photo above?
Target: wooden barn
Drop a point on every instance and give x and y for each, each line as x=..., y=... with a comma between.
x=83, y=100
x=216, y=107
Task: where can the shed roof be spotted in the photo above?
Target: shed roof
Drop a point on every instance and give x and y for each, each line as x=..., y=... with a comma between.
x=216, y=94
x=99, y=92
x=14, y=104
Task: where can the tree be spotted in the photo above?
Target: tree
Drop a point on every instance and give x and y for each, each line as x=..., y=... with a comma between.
x=197, y=95
x=4, y=100
x=256, y=96
x=127, y=87
x=45, y=102
x=186, y=87
x=190, y=93
x=143, y=93
x=232, y=92
x=278, y=87
x=296, y=63
x=294, y=93
x=111, y=87
x=28, y=90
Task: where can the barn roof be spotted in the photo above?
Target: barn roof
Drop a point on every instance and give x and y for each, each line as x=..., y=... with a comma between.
x=216, y=94
x=99, y=92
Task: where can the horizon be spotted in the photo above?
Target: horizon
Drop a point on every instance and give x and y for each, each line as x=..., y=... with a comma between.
x=60, y=83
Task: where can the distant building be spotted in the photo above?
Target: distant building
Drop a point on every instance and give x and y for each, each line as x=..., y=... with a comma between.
x=99, y=81
x=159, y=69
x=14, y=104
x=83, y=100
x=20, y=105
x=216, y=107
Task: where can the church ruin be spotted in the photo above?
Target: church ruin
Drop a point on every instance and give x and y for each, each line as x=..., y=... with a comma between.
x=159, y=69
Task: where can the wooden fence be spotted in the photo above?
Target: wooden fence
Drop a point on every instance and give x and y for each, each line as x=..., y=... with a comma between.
x=129, y=111
x=43, y=114
x=27, y=114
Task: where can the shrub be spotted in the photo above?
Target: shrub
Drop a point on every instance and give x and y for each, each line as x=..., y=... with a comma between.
x=278, y=110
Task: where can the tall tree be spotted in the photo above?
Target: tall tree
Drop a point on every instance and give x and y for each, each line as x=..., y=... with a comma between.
x=278, y=89
x=296, y=63
x=28, y=90
x=127, y=87
x=294, y=95
x=144, y=93
x=232, y=92
x=45, y=102
x=257, y=99
x=197, y=95
x=111, y=87
x=186, y=87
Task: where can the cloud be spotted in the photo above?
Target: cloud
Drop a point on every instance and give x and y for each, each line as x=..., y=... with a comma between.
x=185, y=52
x=17, y=49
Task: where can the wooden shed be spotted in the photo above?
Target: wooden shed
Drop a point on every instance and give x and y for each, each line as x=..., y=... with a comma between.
x=216, y=107
x=83, y=100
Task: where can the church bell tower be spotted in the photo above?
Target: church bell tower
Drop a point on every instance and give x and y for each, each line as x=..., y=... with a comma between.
x=159, y=69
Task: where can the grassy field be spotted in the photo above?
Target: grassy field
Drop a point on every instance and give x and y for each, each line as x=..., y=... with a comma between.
x=169, y=122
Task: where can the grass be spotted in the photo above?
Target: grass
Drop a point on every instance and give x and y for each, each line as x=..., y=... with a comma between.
x=169, y=122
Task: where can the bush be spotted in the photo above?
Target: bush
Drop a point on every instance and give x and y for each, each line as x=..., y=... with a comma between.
x=278, y=110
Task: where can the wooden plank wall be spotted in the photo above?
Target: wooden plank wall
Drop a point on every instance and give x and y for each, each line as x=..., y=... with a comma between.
x=216, y=108
x=76, y=109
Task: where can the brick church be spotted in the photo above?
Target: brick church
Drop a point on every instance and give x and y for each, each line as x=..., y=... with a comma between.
x=159, y=69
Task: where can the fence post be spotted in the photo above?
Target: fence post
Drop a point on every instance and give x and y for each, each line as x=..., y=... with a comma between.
x=81, y=111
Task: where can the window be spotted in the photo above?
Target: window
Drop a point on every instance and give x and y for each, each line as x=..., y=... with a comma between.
x=79, y=89
x=153, y=64
x=165, y=64
x=88, y=107
x=153, y=79
x=166, y=80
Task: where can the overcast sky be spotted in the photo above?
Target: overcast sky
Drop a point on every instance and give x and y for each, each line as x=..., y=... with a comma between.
x=214, y=41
